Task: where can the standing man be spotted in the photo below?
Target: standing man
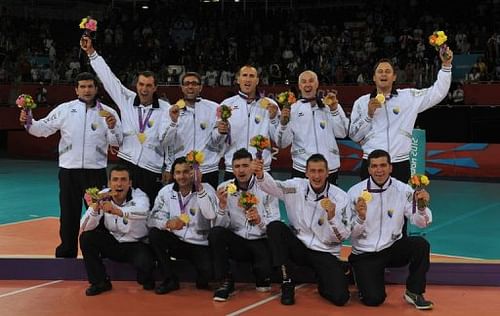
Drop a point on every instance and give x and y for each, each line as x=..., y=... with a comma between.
x=87, y=128
x=194, y=127
x=180, y=223
x=377, y=234
x=252, y=115
x=125, y=214
x=142, y=150
x=240, y=233
x=311, y=126
x=319, y=223
x=384, y=119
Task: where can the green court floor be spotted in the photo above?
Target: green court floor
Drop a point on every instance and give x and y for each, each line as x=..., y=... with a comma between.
x=466, y=214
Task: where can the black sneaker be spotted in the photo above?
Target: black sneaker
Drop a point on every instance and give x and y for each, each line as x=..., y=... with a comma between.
x=96, y=289
x=263, y=285
x=224, y=291
x=287, y=292
x=418, y=300
x=167, y=286
x=149, y=285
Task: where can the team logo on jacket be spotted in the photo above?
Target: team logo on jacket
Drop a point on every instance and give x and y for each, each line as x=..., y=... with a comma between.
x=322, y=124
x=396, y=110
x=150, y=123
x=258, y=118
x=390, y=212
x=203, y=125
x=94, y=126
x=321, y=220
x=192, y=211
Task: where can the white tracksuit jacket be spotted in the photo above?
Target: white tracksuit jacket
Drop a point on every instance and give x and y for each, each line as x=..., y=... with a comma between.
x=85, y=136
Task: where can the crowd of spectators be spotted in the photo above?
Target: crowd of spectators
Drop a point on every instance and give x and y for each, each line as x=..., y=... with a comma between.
x=339, y=43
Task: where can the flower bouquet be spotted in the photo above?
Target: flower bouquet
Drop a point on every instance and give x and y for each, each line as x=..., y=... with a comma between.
x=419, y=182
x=286, y=99
x=224, y=113
x=94, y=195
x=26, y=103
x=438, y=40
x=195, y=158
x=260, y=143
x=246, y=201
x=89, y=25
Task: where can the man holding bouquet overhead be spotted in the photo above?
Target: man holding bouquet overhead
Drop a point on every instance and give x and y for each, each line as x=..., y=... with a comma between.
x=180, y=222
x=384, y=119
x=142, y=113
x=243, y=215
x=380, y=205
x=320, y=220
x=311, y=125
x=87, y=128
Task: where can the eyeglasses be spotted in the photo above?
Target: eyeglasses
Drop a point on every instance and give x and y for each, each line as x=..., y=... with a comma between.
x=192, y=83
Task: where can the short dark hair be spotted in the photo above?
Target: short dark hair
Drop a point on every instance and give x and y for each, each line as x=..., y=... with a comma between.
x=118, y=168
x=316, y=158
x=248, y=66
x=241, y=153
x=383, y=60
x=190, y=74
x=378, y=153
x=85, y=76
x=178, y=161
x=147, y=74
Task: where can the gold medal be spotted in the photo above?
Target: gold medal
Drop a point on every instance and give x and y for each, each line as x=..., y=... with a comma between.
x=141, y=137
x=104, y=113
x=184, y=218
x=380, y=98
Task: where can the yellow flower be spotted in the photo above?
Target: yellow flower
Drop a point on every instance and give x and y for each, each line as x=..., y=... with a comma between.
x=282, y=97
x=231, y=188
x=424, y=180
x=367, y=196
x=199, y=157
x=181, y=103
x=380, y=98
x=184, y=218
x=82, y=24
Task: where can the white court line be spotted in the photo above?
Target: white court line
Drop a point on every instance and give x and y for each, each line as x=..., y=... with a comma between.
x=29, y=220
x=29, y=288
x=264, y=301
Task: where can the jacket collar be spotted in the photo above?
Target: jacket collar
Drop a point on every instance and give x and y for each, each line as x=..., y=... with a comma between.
x=156, y=104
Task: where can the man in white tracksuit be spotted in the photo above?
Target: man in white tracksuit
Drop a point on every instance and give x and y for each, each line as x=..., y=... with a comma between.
x=389, y=124
x=87, y=129
x=252, y=115
x=312, y=127
x=142, y=114
x=319, y=222
x=377, y=235
x=194, y=127
x=124, y=217
x=180, y=222
x=239, y=233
